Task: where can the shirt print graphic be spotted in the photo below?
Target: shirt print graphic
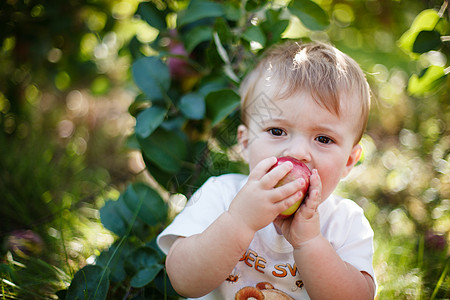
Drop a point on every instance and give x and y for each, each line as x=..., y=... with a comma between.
x=264, y=289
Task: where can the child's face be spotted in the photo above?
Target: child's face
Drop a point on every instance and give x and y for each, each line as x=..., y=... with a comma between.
x=306, y=131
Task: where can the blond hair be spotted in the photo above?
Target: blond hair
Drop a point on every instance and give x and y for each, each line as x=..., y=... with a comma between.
x=329, y=75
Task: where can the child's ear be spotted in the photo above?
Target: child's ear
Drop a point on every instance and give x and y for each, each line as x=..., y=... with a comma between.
x=243, y=136
x=354, y=157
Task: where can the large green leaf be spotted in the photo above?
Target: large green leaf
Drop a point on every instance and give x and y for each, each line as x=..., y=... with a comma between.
x=428, y=82
x=152, y=15
x=152, y=76
x=152, y=208
x=115, y=216
x=310, y=14
x=149, y=119
x=164, y=148
x=192, y=105
x=199, y=9
x=91, y=282
x=427, y=40
x=219, y=104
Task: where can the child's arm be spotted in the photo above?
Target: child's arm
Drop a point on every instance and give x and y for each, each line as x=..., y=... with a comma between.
x=198, y=264
x=324, y=273
x=327, y=276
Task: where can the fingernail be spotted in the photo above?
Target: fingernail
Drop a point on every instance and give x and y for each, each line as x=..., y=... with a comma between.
x=291, y=165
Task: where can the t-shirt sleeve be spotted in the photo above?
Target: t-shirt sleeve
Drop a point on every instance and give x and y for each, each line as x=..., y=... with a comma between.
x=205, y=206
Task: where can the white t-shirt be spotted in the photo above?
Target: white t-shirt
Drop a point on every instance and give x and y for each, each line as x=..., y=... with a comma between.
x=269, y=257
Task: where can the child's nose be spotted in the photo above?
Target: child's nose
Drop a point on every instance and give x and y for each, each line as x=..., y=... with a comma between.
x=299, y=149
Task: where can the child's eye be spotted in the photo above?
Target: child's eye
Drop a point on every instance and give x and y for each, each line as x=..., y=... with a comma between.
x=324, y=139
x=276, y=132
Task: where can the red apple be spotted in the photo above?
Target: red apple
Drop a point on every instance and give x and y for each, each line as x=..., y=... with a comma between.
x=300, y=170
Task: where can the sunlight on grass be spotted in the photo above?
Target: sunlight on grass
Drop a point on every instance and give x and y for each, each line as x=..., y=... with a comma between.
x=392, y=262
x=408, y=266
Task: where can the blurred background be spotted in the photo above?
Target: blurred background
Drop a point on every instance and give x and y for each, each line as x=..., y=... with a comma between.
x=67, y=111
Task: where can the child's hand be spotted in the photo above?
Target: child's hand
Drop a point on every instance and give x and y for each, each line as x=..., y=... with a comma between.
x=258, y=203
x=305, y=224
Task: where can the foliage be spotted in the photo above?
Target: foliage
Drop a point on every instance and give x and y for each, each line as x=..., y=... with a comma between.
x=188, y=107
x=51, y=181
x=190, y=103
x=187, y=68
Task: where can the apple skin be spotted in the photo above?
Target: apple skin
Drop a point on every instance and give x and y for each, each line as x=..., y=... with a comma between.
x=300, y=170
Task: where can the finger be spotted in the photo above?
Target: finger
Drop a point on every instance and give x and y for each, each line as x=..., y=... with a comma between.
x=289, y=189
x=315, y=189
x=289, y=201
x=314, y=196
x=315, y=181
x=272, y=177
x=262, y=168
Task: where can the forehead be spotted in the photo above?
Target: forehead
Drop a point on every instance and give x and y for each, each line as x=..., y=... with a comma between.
x=301, y=107
x=269, y=90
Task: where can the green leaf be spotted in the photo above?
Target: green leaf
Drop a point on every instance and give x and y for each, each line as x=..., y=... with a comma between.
x=142, y=258
x=224, y=31
x=91, y=282
x=145, y=276
x=212, y=86
x=310, y=14
x=232, y=10
x=199, y=9
x=425, y=21
x=115, y=216
x=153, y=244
x=428, y=82
x=196, y=36
x=273, y=27
x=116, y=265
x=164, y=148
x=162, y=177
x=427, y=41
x=192, y=105
x=254, y=5
x=150, y=206
x=220, y=104
x=149, y=119
x=152, y=76
x=134, y=46
x=255, y=34
x=152, y=15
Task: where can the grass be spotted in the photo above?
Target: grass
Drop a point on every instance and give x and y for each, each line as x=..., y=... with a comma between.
x=406, y=268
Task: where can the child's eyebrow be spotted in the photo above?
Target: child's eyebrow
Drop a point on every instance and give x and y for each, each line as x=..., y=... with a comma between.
x=277, y=119
x=328, y=129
